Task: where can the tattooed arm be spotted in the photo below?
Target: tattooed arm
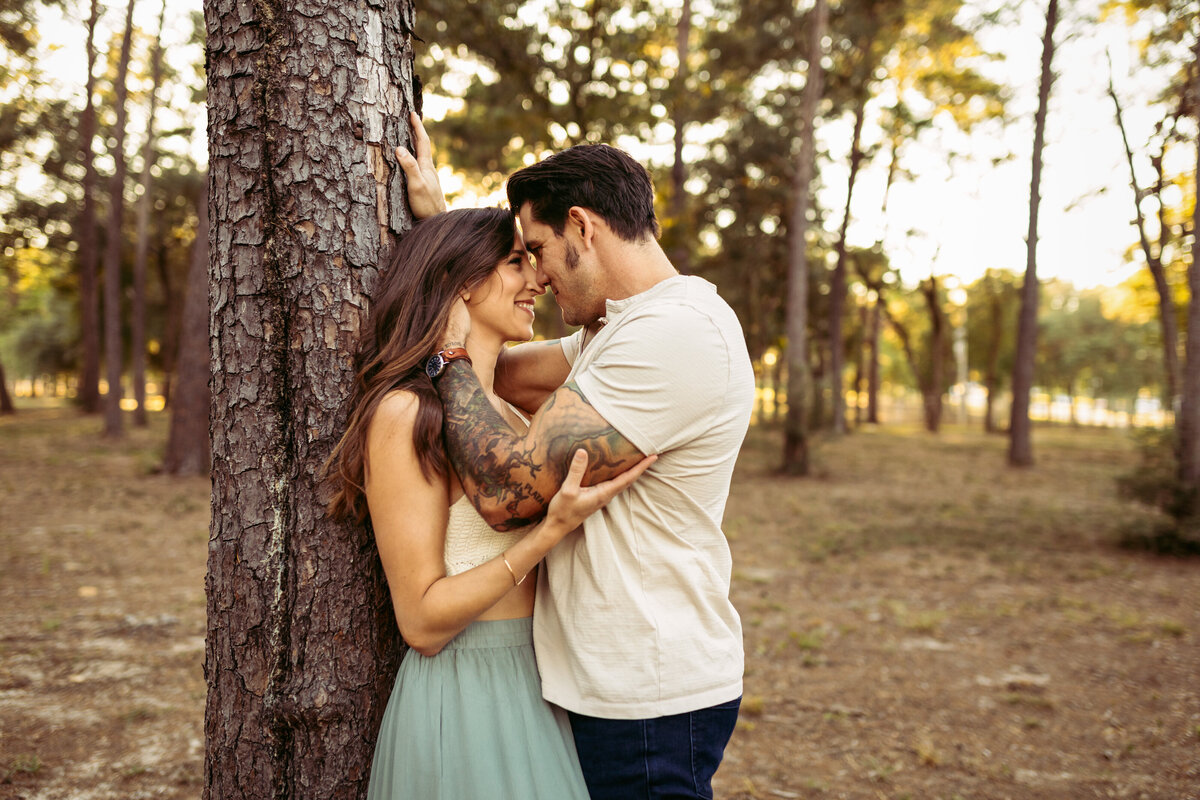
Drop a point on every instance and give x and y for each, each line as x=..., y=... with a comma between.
x=509, y=477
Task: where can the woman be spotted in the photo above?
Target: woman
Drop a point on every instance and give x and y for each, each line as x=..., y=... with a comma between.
x=466, y=718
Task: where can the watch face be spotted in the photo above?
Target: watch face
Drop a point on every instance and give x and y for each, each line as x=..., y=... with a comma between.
x=435, y=365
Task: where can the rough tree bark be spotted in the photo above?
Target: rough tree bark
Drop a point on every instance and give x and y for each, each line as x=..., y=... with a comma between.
x=306, y=104
x=89, y=298
x=142, y=251
x=799, y=380
x=187, y=440
x=1020, y=443
x=113, y=424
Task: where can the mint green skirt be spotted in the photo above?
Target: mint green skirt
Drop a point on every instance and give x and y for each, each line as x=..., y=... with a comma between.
x=470, y=722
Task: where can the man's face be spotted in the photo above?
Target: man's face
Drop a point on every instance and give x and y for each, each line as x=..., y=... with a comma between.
x=560, y=265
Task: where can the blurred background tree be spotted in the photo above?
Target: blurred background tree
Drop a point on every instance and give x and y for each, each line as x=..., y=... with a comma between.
x=708, y=94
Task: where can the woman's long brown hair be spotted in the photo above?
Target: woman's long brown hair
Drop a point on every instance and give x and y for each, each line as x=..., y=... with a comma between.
x=440, y=257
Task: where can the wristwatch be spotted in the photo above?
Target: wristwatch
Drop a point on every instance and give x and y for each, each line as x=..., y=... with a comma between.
x=437, y=362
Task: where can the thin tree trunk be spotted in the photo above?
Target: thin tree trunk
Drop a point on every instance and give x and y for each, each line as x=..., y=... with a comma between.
x=777, y=383
x=992, y=374
x=1188, y=420
x=1020, y=447
x=89, y=296
x=113, y=424
x=935, y=386
x=171, y=322
x=860, y=363
x=873, y=364
x=1168, y=319
x=837, y=286
x=799, y=394
x=188, y=451
x=306, y=201
x=6, y=403
x=818, y=369
x=138, y=344
x=679, y=255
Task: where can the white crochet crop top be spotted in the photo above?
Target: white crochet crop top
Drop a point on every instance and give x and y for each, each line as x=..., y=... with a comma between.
x=470, y=541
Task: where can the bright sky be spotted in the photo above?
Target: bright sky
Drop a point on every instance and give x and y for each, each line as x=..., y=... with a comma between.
x=968, y=212
x=978, y=212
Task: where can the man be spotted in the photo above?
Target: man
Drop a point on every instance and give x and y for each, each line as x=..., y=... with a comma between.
x=634, y=631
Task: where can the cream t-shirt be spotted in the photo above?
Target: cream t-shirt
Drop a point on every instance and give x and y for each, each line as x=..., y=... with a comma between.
x=633, y=618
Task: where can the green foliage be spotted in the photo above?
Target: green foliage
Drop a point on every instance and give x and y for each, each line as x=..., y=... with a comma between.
x=537, y=76
x=1083, y=348
x=1155, y=483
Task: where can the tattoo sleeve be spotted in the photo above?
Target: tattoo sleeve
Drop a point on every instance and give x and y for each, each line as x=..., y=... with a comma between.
x=510, y=477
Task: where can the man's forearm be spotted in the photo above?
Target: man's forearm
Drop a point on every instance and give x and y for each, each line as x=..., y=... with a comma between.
x=510, y=478
x=490, y=458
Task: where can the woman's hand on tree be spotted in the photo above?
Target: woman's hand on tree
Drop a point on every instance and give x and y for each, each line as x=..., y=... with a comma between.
x=425, y=196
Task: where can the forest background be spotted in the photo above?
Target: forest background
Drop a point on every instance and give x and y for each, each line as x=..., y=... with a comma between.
x=874, y=163
x=924, y=138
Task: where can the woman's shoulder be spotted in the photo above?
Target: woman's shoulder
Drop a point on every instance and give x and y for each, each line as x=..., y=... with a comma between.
x=397, y=412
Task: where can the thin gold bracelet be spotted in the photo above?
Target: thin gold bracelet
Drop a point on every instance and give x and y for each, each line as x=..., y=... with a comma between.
x=504, y=558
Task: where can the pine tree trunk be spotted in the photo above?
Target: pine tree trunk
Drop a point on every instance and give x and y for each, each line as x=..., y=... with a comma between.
x=188, y=450
x=992, y=373
x=113, y=424
x=873, y=365
x=171, y=323
x=936, y=384
x=1020, y=445
x=679, y=255
x=138, y=343
x=89, y=297
x=1188, y=421
x=860, y=363
x=6, y=403
x=799, y=381
x=306, y=200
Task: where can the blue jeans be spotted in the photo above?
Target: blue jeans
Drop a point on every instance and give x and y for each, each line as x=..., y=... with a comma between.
x=654, y=759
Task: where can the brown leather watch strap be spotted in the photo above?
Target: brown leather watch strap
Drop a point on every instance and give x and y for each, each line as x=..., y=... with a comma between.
x=454, y=354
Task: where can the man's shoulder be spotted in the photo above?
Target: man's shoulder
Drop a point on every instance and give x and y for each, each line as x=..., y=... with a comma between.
x=684, y=297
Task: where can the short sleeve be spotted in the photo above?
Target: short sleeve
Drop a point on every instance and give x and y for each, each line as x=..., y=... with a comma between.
x=661, y=378
x=571, y=345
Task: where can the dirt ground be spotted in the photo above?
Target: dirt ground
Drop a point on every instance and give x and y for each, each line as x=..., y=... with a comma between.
x=920, y=622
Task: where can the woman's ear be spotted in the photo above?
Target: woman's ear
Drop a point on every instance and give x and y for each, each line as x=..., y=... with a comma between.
x=465, y=294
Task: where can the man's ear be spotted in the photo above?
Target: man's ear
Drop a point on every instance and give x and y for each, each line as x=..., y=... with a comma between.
x=583, y=222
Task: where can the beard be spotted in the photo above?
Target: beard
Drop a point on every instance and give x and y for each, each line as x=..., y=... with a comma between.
x=571, y=260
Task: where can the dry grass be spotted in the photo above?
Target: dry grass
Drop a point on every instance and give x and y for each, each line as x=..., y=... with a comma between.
x=981, y=635
x=920, y=622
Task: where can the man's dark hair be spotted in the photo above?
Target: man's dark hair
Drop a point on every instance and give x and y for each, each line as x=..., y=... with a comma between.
x=597, y=177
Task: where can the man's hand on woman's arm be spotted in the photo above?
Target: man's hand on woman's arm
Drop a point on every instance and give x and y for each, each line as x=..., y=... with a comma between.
x=510, y=477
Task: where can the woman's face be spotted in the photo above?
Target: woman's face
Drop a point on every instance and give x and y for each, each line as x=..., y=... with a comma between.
x=503, y=303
